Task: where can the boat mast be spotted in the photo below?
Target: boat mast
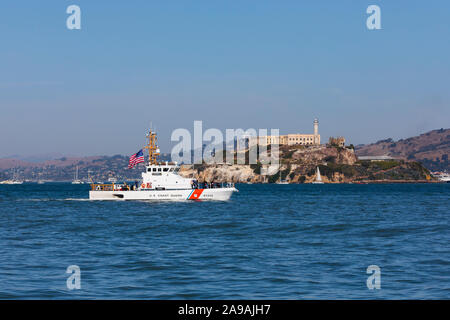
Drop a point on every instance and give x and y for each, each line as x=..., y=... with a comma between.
x=152, y=148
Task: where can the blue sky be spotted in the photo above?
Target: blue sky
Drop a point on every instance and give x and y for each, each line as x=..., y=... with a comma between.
x=232, y=64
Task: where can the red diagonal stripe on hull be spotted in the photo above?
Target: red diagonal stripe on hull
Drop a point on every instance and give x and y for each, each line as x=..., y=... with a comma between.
x=196, y=194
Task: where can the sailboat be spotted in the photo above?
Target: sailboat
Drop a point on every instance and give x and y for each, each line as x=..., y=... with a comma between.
x=76, y=180
x=318, y=177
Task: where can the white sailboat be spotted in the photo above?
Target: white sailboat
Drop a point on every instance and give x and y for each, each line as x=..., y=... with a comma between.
x=318, y=177
x=76, y=180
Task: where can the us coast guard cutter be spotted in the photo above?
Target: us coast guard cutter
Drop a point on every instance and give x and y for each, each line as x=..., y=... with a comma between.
x=161, y=181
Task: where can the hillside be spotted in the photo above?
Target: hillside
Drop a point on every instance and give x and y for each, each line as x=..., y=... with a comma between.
x=298, y=165
x=100, y=168
x=432, y=149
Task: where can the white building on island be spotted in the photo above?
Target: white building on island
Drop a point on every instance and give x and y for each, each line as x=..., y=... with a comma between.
x=292, y=138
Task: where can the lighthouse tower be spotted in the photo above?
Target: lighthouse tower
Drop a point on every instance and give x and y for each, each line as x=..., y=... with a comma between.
x=316, y=132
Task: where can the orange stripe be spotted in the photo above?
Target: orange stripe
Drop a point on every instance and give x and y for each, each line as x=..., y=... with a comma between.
x=196, y=194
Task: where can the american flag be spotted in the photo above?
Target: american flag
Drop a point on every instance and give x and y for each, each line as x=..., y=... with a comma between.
x=136, y=158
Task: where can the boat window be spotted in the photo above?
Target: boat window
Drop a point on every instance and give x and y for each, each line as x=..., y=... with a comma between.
x=159, y=169
x=154, y=169
x=166, y=169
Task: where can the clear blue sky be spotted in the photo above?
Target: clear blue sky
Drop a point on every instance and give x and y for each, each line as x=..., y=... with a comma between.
x=232, y=64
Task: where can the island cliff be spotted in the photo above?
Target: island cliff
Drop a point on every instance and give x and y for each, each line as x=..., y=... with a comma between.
x=298, y=165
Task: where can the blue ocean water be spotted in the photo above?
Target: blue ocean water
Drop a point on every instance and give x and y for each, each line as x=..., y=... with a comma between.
x=267, y=242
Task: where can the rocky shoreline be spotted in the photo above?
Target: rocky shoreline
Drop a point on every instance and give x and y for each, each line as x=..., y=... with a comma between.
x=298, y=165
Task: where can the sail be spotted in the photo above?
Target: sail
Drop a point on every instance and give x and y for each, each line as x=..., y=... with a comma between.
x=318, y=177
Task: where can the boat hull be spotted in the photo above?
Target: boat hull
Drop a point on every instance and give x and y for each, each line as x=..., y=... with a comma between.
x=220, y=194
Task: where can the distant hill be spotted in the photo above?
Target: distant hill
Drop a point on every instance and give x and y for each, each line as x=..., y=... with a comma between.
x=431, y=149
x=37, y=157
x=100, y=168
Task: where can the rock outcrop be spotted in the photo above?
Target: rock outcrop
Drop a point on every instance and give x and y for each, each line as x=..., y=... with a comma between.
x=298, y=165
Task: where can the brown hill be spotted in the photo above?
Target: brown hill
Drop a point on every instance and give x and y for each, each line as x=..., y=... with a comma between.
x=100, y=168
x=431, y=149
x=62, y=162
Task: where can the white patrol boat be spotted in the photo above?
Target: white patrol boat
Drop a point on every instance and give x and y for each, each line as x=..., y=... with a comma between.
x=161, y=181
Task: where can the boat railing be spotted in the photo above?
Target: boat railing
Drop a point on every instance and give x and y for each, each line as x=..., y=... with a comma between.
x=113, y=187
x=214, y=185
x=125, y=187
x=102, y=187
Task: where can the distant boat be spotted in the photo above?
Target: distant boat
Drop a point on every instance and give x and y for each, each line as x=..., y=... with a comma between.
x=318, y=177
x=443, y=177
x=76, y=180
x=14, y=180
x=11, y=182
